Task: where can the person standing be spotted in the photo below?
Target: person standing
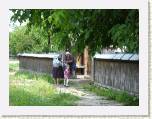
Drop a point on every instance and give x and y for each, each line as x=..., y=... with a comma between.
x=69, y=60
x=66, y=75
x=57, y=71
x=60, y=68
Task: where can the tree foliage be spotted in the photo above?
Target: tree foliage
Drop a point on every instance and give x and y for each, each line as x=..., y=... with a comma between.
x=127, y=34
x=35, y=40
x=76, y=29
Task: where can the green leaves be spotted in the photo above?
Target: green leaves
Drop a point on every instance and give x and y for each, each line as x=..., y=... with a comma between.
x=34, y=40
x=76, y=29
x=126, y=34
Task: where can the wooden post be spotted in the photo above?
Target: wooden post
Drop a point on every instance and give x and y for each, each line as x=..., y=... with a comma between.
x=86, y=57
x=92, y=69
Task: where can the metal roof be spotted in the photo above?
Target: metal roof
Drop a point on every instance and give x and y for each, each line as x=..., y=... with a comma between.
x=118, y=56
x=127, y=56
x=104, y=56
x=50, y=55
x=135, y=57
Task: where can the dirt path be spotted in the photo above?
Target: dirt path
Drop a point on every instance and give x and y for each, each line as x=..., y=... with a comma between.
x=86, y=98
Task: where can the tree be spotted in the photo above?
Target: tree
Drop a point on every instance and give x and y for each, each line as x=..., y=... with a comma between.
x=38, y=18
x=95, y=28
x=33, y=41
x=127, y=34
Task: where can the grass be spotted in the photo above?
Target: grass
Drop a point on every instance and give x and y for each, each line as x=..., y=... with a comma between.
x=33, y=89
x=120, y=96
x=39, y=95
x=13, y=67
x=26, y=75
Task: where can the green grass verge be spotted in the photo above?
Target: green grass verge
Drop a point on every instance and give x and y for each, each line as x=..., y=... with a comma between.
x=120, y=96
x=13, y=67
x=39, y=95
x=34, y=89
x=26, y=75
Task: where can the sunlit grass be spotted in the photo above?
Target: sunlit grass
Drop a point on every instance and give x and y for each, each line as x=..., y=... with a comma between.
x=33, y=89
x=120, y=96
x=14, y=67
x=39, y=93
x=26, y=75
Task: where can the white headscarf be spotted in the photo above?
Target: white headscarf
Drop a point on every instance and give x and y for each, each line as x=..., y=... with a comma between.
x=67, y=53
x=56, y=62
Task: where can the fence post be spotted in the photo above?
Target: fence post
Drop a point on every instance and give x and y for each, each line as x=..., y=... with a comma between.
x=92, y=71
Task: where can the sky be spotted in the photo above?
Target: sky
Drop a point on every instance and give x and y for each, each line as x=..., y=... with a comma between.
x=13, y=25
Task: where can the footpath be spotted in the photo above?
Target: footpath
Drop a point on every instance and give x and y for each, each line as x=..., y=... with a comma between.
x=86, y=98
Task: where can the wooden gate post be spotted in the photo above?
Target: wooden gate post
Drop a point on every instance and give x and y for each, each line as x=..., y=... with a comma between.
x=92, y=69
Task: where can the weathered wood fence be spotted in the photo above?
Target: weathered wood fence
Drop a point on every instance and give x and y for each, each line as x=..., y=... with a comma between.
x=118, y=71
x=41, y=63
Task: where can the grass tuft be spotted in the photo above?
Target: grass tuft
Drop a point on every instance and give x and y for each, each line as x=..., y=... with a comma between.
x=26, y=75
x=13, y=67
x=46, y=96
x=34, y=89
x=120, y=96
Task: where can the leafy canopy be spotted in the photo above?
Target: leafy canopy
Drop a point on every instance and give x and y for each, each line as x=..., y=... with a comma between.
x=76, y=29
x=35, y=40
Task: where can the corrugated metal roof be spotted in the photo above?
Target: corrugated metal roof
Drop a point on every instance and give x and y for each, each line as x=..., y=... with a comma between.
x=50, y=55
x=135, y=57
x=127, y=56
x=118, y=56
x=104, y=56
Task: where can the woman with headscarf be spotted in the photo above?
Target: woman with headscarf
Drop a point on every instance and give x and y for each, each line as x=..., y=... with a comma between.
x=60, y=68
x=57, y=71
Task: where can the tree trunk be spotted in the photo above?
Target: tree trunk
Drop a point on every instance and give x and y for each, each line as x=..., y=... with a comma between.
x=49, y=39
x=49, y=42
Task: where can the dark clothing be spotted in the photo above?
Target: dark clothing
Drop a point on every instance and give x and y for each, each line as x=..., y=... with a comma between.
x=70, y=64
x=55, y=72
x=74, y=64
x=58, y=72
x=69, y=60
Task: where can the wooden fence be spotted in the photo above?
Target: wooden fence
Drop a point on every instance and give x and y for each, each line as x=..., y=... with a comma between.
x=41, y=63
x=118, y=71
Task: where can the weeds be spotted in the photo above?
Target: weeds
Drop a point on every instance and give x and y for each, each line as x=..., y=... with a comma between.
x=39, y=95
x=13, y=67
x=34, y=89
x=26, y=75
x=120, y=96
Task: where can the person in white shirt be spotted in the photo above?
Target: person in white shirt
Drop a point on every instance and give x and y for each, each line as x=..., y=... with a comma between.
x=57, y=71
